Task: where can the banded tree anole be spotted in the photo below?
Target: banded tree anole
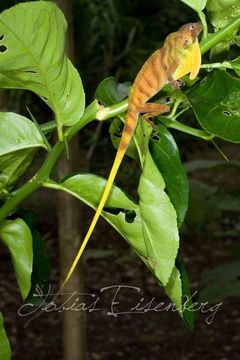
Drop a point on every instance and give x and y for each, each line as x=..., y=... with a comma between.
x=179, y=56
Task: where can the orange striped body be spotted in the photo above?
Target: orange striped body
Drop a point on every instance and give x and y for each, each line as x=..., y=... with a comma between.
x=148, y=82
x=179, y=56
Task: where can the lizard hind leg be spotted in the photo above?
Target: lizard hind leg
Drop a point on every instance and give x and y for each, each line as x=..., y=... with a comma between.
x=152, y=109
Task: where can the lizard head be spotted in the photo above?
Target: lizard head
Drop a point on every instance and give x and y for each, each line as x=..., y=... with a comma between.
x=188, y=33
x=188, y=50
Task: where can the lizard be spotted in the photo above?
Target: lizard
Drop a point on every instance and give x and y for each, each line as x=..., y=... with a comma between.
x=179, y=56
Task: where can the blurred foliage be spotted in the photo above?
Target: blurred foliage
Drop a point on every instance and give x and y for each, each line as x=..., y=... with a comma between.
x=208, y=203
x=221, y=282
x=116, y=37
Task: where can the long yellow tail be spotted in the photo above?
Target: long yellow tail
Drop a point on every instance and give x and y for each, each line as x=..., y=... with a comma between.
x=130, y=125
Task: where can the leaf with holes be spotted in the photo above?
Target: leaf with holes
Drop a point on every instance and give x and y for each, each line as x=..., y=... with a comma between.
x=125, y=216
x=16, y=236
x=32, y=57
x=217, y=107
x=121, y=212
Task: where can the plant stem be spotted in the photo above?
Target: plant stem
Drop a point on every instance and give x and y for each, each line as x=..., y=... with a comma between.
x=109, y=112
x=48, y=126
x=214, y=39
x=223, y=65
x=186, y=129
x=44, y=172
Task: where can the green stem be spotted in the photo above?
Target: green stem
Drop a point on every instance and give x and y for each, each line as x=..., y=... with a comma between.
x=223, y=65
x=44, y=172
x=175, y=107
x=216, y=38
x=48, y=126
x=114, y=110
x=186, y=129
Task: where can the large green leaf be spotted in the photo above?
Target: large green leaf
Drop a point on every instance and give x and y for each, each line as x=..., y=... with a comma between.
x=167, y=159
x=16, y=235
x=159, y=221
x=5, y=351
x=119, y=209
x=125, y=216
x=13, y=166
x=221, y=12
x=216, y=103
x=18, y=133
x=19, y=140
x=41, y=266
x=197, y=5
x=109, y=91
x=155, y=217
x=33, y=57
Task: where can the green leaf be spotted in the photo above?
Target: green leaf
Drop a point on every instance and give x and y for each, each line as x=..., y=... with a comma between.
x=217, y=107
x=13, y=166
x=33, y=58
x=188, y=315
x=17, y=237
x=159, y=221
x=174, y=289
x=41, y=266
x=89, y=188
x=221, y=282
x=18, y=133
x=17, y=147
x=109, y=91
x=221, y=12
x=5, y=351
x=197, y=5
x=167, y=159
